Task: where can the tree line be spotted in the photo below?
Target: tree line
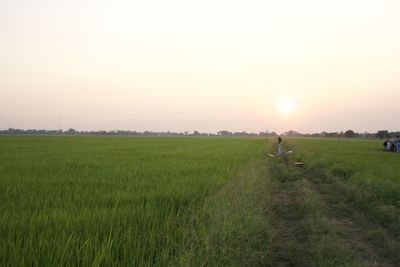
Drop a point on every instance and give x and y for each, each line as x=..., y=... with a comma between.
x=382, y=134
x=12, y=131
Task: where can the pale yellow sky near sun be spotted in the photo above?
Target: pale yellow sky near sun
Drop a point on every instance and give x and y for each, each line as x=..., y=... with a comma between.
x=200, y=65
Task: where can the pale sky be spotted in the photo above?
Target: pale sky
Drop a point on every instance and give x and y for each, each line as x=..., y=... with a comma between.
x=205, y=65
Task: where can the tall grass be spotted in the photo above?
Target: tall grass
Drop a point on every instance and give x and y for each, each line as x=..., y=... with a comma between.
x=363, y=170
x=108, y=200
x=361, y=162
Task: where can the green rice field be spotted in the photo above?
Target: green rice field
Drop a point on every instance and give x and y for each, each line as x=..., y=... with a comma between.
x=205, y=201
x=94, y=200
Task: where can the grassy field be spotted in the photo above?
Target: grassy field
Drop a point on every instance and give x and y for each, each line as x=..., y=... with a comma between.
x=342, y=208
x=113, y=200
x=361, y=166
x=105, y=201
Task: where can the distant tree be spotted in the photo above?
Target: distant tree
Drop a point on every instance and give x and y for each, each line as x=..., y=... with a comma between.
x=330, y=135
x=71, y=131
x=394, y=134
x=349, y=134
x=382, y=134
x=316, y=135
x=224, y=133
x=292, y=133
x=265, y=134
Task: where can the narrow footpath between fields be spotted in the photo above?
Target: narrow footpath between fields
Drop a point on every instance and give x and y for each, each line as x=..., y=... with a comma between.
x=316, y=223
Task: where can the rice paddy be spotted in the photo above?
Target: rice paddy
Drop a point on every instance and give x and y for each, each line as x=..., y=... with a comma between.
x=193, y=201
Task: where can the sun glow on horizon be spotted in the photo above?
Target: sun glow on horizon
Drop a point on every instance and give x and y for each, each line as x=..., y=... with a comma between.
x=200, y=65
x=286, y=105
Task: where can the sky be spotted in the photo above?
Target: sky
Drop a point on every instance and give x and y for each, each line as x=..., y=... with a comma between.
x=207, y=65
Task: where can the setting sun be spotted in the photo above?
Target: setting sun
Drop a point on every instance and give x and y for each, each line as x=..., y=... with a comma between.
x=286, y=105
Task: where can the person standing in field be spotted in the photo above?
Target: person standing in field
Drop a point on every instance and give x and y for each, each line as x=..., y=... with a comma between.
x=389, y=145
x=280, y=149
x=396, y=143
x=397, y=139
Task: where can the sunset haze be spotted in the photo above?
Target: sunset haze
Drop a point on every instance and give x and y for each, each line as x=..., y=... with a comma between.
x=204, y=65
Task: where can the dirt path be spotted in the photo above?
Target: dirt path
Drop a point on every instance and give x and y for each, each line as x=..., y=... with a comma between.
x=289, y=222
x=317, y=225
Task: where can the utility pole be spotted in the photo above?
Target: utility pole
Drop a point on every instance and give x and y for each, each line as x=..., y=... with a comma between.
x=340, y=136
x=59, y=122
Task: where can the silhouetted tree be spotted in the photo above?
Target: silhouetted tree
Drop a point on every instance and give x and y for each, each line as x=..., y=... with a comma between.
x=382, y=134
x=349, y=134
x=224, y=133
